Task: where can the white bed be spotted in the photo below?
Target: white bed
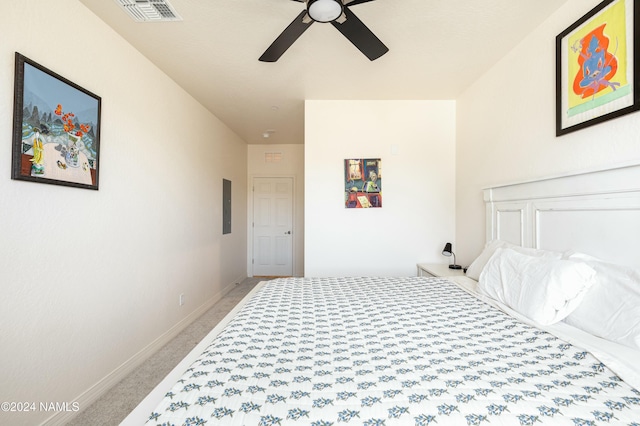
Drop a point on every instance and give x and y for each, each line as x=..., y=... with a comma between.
x=414, y=350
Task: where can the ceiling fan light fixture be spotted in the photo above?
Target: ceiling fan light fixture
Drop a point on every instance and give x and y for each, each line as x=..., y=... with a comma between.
x=339, y=14
x=324, y=10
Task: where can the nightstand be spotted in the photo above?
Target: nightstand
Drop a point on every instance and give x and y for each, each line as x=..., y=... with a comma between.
x=438, y=270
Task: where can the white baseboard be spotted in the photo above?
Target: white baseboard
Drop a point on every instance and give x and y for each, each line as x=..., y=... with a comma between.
x=96, y=391
x=140, y=414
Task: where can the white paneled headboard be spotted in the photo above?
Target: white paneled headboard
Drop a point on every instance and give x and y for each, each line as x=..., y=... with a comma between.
x=597, y=213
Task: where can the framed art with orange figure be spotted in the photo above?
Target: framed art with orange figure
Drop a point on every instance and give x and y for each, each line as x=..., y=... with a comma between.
x=596, y=66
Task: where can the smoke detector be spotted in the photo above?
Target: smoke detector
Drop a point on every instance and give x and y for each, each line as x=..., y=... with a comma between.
x=149, y=10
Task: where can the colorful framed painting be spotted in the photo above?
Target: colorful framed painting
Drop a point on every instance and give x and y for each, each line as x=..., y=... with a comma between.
x=56, y=128
x=363, y=183
x=596, y=66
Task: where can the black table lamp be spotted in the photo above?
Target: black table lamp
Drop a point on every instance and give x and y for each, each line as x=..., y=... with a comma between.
x=448, y=252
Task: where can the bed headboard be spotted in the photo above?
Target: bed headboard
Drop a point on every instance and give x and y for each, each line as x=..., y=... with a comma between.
x=596, y=212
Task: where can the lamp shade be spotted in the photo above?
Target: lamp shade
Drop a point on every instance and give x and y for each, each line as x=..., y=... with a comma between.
x=448, y=251
x=324, y=10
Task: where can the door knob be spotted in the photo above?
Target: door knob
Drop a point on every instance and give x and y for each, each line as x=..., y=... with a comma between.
x=288, y=233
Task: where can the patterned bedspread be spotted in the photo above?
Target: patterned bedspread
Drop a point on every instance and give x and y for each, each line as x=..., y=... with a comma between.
x=390, y=351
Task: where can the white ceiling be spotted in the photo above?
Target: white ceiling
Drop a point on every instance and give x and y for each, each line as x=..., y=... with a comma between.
x=437, y=48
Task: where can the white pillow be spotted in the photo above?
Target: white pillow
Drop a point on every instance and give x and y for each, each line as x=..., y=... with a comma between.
x=611, y=309
x=475, y=269
x=543, y=289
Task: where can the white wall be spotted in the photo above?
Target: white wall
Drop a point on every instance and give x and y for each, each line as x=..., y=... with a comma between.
x=90, y=278
x=506, y=129
x=418, y=184
x=291, y=165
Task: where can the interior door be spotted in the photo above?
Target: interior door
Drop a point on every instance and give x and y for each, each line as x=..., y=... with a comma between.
x=273, y=227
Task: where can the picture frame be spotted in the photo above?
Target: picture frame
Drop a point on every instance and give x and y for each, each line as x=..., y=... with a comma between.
x=597, y=66
x=56, y=128
x=362, y=183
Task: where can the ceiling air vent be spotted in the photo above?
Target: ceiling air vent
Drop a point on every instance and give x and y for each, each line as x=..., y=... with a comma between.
x=149, y=10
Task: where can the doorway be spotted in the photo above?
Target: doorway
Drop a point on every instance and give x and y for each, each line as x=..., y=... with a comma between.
x=272, y=226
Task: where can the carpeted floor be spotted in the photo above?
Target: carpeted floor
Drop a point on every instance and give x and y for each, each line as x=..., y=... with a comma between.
x=116, y=404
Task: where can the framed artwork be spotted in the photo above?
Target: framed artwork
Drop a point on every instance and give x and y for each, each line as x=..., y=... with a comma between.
x=363, y=183
x=56, y=128
x=596, y=72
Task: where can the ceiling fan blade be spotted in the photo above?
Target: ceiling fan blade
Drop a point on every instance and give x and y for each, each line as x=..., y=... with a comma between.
x=354, y=2
x=286, y=38
x=361, y=36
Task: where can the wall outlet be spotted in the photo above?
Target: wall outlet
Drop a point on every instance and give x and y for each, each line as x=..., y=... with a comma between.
x=181, y=299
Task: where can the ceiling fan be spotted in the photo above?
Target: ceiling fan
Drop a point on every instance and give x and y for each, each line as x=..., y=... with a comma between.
x=336, y=12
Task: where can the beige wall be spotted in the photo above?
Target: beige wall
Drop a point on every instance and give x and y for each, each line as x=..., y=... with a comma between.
x=506, y=129
x=90, y=278
x=291, y=165
x=416, y=142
